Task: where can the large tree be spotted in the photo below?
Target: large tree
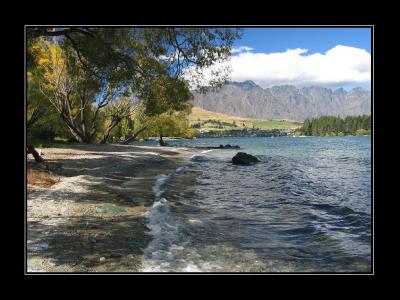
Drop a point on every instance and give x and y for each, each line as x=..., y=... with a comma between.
x=115, y=112
x=76, y=95
x=135, y=52
x=167, y=96
x=98, y=64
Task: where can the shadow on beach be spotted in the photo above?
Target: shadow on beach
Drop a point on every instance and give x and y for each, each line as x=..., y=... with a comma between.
x=89, y=244
x=92, y=220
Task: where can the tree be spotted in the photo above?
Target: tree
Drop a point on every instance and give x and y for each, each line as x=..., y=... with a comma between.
x=137, y=124
x=85, y=68
x=115, y=112
x=136, y=56
x=77, y=96
x=169, y=124
x=166, y=96
x=330, y=125
x=36, y=103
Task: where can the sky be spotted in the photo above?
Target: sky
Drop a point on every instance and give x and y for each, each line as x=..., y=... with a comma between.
x=328, y=57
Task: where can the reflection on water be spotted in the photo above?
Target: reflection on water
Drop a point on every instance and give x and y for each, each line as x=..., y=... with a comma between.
x=305, y=208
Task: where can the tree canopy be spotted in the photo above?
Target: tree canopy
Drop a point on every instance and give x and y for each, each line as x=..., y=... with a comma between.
x=331, y=125
x=83, y=72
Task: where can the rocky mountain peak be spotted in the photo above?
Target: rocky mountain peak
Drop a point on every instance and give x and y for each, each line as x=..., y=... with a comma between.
x=247, y=99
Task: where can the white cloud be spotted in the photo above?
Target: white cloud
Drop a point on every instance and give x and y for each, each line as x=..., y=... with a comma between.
x=339, y=66
x=241, y=49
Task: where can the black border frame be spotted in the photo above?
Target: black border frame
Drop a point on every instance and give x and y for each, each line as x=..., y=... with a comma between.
x=372, y=27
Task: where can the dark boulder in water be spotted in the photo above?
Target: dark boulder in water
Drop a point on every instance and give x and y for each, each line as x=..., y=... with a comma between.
x=230, y=146
x=242, y=158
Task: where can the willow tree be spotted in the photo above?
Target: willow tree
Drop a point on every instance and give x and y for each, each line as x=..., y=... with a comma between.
x=115, y=112
x=175, y=124
x=36, y=104
x=167, y=96
x=71, y=91
x=108, y=52
x=125, y=54
x=135, y=125
x=98, y=63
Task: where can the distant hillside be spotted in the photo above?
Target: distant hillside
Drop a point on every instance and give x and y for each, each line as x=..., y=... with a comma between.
x=219, y=121
x=248, y=100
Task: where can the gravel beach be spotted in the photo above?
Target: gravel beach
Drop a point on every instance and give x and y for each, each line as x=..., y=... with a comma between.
x=85, y=206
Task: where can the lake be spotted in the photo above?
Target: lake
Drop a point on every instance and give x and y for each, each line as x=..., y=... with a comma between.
x=306, y=207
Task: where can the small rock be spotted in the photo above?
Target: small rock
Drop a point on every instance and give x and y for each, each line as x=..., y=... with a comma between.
x=102, y=258
x=54, y=261
x=44, y=246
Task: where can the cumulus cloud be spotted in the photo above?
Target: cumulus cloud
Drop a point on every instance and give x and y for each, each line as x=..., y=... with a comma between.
x=337, y=67
x=240, y=49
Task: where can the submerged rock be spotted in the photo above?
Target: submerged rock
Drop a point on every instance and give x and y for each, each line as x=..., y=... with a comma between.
x=199, y=158
x=242, y=158
x=54, y=261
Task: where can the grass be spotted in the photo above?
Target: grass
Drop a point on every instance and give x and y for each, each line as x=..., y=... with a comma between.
x=276, y=124
x=203, y=116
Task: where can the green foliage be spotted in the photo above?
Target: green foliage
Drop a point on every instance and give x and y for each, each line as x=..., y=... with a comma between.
x=336, y=126
x=74, y=73
x=169, y=125
x=363, y=131
x=298, y=132
x=128, y=125
x=167, y=95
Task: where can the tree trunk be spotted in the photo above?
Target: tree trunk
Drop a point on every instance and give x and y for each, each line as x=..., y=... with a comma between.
x=108, y=131
x=77, y=134
x=132, y=138
x=36, y=114
x=81, y=138
x=161, y=141
x=106, y=136
x=31, y=150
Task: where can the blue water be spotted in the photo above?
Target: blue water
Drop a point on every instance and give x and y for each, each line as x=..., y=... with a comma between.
x=306, y=207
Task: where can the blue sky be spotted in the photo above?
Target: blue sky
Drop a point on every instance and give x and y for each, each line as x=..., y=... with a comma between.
x=314, y=39
x=331, y=57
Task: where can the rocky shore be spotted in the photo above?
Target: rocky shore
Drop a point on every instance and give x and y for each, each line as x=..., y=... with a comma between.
x=85, y=206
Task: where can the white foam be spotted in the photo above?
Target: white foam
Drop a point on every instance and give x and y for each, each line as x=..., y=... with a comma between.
x=180, y=169
x=191, y=268
x=160, y=181
x=167, y=249
x=206, y=151
x=151, y=153
x=194, y=221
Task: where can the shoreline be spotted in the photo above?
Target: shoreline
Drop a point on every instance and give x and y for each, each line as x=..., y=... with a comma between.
x=88, y=214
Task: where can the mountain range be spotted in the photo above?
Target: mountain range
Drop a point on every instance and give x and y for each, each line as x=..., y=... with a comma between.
x=247, y=99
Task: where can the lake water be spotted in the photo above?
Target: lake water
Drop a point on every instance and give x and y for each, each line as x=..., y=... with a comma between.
x=306, y=207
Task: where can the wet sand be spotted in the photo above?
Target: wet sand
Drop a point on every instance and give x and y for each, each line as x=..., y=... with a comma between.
x=91, y=219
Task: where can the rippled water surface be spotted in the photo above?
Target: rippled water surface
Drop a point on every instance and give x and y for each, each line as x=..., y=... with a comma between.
x=306, y=207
